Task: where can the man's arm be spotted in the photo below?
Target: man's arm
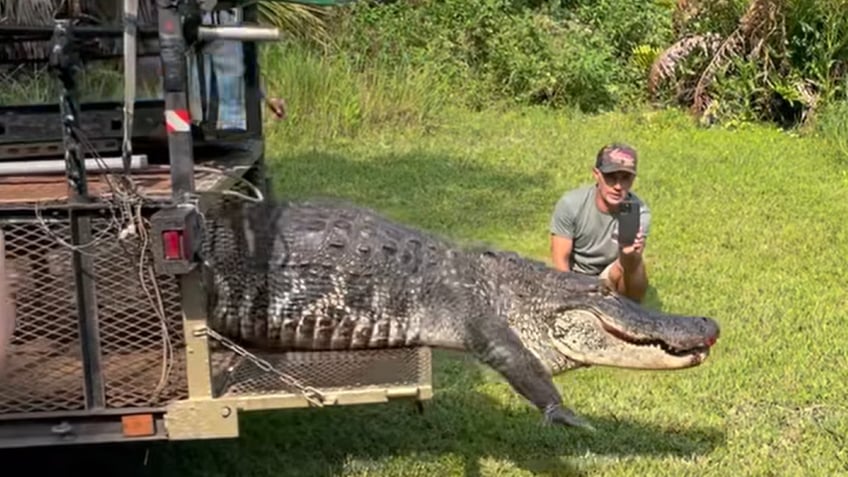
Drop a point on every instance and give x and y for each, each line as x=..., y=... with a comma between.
x=562, y=234
x=560, y=251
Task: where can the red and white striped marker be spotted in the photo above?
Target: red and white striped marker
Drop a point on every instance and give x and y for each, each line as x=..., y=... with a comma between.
x=177, y=120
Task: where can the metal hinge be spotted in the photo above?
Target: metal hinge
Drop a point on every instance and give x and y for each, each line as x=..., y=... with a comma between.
x=312, y=395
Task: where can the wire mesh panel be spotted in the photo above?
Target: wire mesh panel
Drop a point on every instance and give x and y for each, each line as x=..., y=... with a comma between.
x=385, y=368
x=139, y=317
x=44, y=370
x=140, y=325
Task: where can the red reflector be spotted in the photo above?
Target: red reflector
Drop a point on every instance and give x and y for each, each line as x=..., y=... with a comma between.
x=173, y=241
x=138, y=425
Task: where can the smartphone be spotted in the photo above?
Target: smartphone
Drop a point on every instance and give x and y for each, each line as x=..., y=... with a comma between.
x=628, y=222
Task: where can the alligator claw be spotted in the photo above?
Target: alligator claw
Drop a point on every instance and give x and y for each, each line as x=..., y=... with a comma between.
x=556, y=414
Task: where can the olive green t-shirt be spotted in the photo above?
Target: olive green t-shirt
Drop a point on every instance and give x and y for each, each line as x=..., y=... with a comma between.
x=594, y=233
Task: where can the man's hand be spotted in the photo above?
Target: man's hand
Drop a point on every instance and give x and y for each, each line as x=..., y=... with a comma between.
x=277, y=107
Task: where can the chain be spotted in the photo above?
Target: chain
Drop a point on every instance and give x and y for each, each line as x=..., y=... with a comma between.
x=311, y=394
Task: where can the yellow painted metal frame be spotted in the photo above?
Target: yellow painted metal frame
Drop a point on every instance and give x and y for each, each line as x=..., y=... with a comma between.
x=204, y=416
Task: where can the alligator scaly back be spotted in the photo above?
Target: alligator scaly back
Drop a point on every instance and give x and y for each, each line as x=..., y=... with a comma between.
x=313, y=276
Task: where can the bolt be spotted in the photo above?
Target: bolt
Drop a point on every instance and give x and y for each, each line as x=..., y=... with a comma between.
x=226, y=411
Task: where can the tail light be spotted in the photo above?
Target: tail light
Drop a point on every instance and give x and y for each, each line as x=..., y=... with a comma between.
x=172, y=241
x=177, y=236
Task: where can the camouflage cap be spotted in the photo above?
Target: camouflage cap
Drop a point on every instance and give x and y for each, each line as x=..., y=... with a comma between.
x=616, y=157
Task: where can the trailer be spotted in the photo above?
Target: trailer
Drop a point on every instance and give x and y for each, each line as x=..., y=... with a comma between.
x=102, y=205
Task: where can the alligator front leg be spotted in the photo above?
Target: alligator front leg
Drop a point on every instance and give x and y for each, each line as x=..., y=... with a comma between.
x=498, y=346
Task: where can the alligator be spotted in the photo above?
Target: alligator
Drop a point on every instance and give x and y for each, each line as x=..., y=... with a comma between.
x=330, y=275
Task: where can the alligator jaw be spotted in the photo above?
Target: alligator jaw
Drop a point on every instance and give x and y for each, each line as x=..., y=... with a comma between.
x=699, y=353
x=613, y=347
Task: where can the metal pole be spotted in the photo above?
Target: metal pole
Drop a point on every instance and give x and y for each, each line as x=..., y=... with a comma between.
x=172, y=49
x=238, y=33
x=64, y=62
x=12, y=168
x=130, y=47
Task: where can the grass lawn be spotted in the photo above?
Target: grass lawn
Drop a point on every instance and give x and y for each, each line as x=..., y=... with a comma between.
x=749, y=228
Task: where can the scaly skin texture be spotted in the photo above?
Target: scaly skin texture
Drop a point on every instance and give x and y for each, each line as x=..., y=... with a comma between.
x=332, y=276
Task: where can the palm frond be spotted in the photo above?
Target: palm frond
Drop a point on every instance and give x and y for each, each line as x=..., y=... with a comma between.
x=725, y=53
x=761, y=21
x=26, y=12
x=296, y=20
x=683, y=12
x=666, y=63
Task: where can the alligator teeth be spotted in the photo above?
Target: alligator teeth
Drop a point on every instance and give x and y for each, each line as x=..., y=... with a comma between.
x=666, y=348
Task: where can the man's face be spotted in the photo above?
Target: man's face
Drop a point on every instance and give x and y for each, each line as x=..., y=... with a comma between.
x=613, y=186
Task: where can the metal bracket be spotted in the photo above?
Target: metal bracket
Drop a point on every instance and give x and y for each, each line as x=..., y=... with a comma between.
x=201, y=419
x=185, y=222
x=65, y=63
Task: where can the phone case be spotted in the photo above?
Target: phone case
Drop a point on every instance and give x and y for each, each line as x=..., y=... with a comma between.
x=628, y=223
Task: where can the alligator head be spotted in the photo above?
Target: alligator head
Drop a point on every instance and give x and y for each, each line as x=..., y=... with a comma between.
x=571, y=320
x=605, y=329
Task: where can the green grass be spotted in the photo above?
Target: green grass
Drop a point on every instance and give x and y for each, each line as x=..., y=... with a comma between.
x=331, y=96
x=749, y=228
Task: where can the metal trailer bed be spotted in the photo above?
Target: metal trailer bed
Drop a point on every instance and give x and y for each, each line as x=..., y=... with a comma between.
x=110, y=342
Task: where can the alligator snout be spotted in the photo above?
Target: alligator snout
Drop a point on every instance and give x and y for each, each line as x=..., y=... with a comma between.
x=678, y=332
x=686, y=333
x=709, y=331
x=713, y=331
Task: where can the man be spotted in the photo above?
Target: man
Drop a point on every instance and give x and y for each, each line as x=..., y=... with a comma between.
x=584, y=227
